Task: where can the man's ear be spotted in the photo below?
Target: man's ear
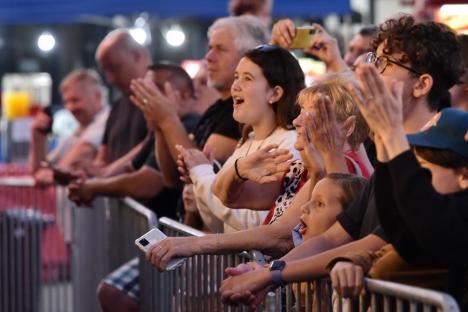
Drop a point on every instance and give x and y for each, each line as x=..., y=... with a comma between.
x=423, y=85
x=463, y=178
x=277, y=93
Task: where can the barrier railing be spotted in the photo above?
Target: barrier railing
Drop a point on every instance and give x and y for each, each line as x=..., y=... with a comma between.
x=104, y=240
x=53, y=254
x=388, y=296
x=34, y=250
x=191, y=287
x=52, y=257
x=194, y=287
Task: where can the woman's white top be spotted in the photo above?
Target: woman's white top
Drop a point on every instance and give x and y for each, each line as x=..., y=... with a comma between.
x=215, y=215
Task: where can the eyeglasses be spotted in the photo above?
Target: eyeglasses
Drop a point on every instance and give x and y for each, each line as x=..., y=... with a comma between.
x=381, y=62
x=267, y=47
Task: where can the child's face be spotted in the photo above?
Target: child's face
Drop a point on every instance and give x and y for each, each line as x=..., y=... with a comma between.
x=320, y=212
x=445, y=180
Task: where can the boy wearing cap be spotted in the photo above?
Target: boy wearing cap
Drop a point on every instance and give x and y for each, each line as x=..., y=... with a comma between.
x=423, y=213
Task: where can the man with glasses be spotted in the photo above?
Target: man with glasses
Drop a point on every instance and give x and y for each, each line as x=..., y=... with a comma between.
x=418, y=62
x=381, y=62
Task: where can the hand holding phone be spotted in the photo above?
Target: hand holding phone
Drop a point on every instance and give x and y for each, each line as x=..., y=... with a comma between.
x=152, y=237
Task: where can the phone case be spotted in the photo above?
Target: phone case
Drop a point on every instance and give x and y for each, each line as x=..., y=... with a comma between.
x=152, y=237
x=303, y=37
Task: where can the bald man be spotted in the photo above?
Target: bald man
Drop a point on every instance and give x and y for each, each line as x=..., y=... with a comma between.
x=122, y=59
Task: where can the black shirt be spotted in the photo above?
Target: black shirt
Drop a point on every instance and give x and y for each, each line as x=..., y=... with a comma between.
x=360, y=218
x=424, y=226
x=125, y=128
x=165, y=202
x=217, y=119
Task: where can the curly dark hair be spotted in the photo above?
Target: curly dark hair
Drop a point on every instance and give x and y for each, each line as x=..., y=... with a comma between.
x=429, y=47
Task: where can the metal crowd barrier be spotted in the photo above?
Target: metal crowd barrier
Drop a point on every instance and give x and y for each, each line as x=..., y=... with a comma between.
x=194, y=287
x=388, y=296
x=104, y=240
x=54, y=254
x=191, y=287
x=35, y=270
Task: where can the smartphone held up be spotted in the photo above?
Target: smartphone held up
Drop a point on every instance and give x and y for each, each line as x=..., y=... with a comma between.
x=303, y=37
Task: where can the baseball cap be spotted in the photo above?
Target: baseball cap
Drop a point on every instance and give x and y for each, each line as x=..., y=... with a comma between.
x=447, y=132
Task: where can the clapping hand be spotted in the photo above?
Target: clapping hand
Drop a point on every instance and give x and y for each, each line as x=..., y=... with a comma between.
x=265, y=165
x=189, y=158
x=157, y=106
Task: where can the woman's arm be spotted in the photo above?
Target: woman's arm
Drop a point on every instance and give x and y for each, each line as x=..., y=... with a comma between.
x=274, y=239
x=239, y=185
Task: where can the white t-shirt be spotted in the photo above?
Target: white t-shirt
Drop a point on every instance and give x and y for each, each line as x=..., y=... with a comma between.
x=92, y=134
x=215, y=215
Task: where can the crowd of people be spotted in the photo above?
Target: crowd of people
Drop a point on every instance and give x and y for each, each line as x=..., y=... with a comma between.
x=362, y=173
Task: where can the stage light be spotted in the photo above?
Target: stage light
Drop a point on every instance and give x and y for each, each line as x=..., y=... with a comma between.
x=46, y=42
x=139, y=34
x=175, y=37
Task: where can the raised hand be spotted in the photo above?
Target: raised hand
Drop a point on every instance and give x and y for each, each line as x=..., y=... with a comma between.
x=381, y=107
x=265, y=165
x=40, y=125
x=189, y=158
x=157, y=106
x=283, y=33
x=325, y=135
x=328, y=135
x=325, y=47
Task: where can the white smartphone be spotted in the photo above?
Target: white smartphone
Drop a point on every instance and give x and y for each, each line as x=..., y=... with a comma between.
x=151, y=238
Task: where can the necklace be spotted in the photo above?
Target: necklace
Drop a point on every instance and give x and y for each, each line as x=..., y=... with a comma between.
x=261, y=143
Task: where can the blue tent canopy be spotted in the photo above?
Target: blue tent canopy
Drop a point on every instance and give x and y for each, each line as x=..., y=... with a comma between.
x=67, y=11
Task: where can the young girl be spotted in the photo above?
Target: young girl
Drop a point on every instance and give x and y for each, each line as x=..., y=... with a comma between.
x=330, y=196
x=266, y=83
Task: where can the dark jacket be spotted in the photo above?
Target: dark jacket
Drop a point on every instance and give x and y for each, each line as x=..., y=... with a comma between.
x=425, y=227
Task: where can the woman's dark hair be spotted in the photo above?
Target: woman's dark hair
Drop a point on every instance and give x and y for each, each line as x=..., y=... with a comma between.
x=430, y=48
x=351, y=186
x=441, y=157
x=280, y=68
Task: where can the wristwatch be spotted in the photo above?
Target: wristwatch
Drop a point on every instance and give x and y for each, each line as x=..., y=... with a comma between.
x=276, y=266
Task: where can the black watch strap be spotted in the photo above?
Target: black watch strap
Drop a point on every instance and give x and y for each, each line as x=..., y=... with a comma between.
x=276, y=277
